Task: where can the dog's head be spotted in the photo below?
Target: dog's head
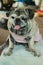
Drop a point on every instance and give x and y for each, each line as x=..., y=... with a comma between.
x=18, y=21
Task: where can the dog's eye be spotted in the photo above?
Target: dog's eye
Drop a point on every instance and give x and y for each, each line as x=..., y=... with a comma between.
x=12, y=17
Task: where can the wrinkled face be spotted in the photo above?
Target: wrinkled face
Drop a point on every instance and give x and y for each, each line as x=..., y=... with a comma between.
x=19, y=22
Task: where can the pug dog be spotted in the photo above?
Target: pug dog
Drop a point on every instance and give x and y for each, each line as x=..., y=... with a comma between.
x=22, y=29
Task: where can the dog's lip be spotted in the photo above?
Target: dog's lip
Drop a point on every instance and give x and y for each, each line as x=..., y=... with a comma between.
x=17, y=27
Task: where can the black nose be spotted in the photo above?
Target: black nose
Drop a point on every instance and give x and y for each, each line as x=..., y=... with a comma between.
x=17, y=21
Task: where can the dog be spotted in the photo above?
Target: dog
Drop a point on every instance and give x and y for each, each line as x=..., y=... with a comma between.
x=22, y=29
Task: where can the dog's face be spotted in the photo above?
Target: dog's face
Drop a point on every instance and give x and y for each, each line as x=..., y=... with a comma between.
x=19, y=20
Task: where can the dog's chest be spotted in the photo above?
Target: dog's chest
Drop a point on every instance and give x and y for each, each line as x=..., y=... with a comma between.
x=20, y=39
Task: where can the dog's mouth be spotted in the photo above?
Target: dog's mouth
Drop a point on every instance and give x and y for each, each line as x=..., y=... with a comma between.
x=17, y=27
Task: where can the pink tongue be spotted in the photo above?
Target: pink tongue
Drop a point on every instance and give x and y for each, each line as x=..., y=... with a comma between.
x=17, y=27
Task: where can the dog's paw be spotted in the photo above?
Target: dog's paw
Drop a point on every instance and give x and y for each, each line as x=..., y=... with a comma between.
x=7, y=53
x=37, y=54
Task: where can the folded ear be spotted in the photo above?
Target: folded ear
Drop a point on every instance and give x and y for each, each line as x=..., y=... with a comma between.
x=7, y=14
x=30, y=13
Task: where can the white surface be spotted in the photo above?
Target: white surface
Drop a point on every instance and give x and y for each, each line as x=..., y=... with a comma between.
x=22, y=57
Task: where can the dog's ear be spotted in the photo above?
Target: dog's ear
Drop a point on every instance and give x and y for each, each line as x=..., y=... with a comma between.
x=7, y=14
x=30, y=13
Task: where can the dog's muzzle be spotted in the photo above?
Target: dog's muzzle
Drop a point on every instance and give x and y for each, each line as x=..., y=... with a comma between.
x=17, y=24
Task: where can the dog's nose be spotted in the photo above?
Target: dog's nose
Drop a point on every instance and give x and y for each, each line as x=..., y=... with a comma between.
x=17, y=19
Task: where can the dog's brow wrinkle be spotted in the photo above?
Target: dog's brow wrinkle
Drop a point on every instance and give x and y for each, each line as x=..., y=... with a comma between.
x=25, y=12
x=22, y=21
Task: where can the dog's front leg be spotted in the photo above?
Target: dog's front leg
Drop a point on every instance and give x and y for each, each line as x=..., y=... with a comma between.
x=32, y=48
x=10, y=48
